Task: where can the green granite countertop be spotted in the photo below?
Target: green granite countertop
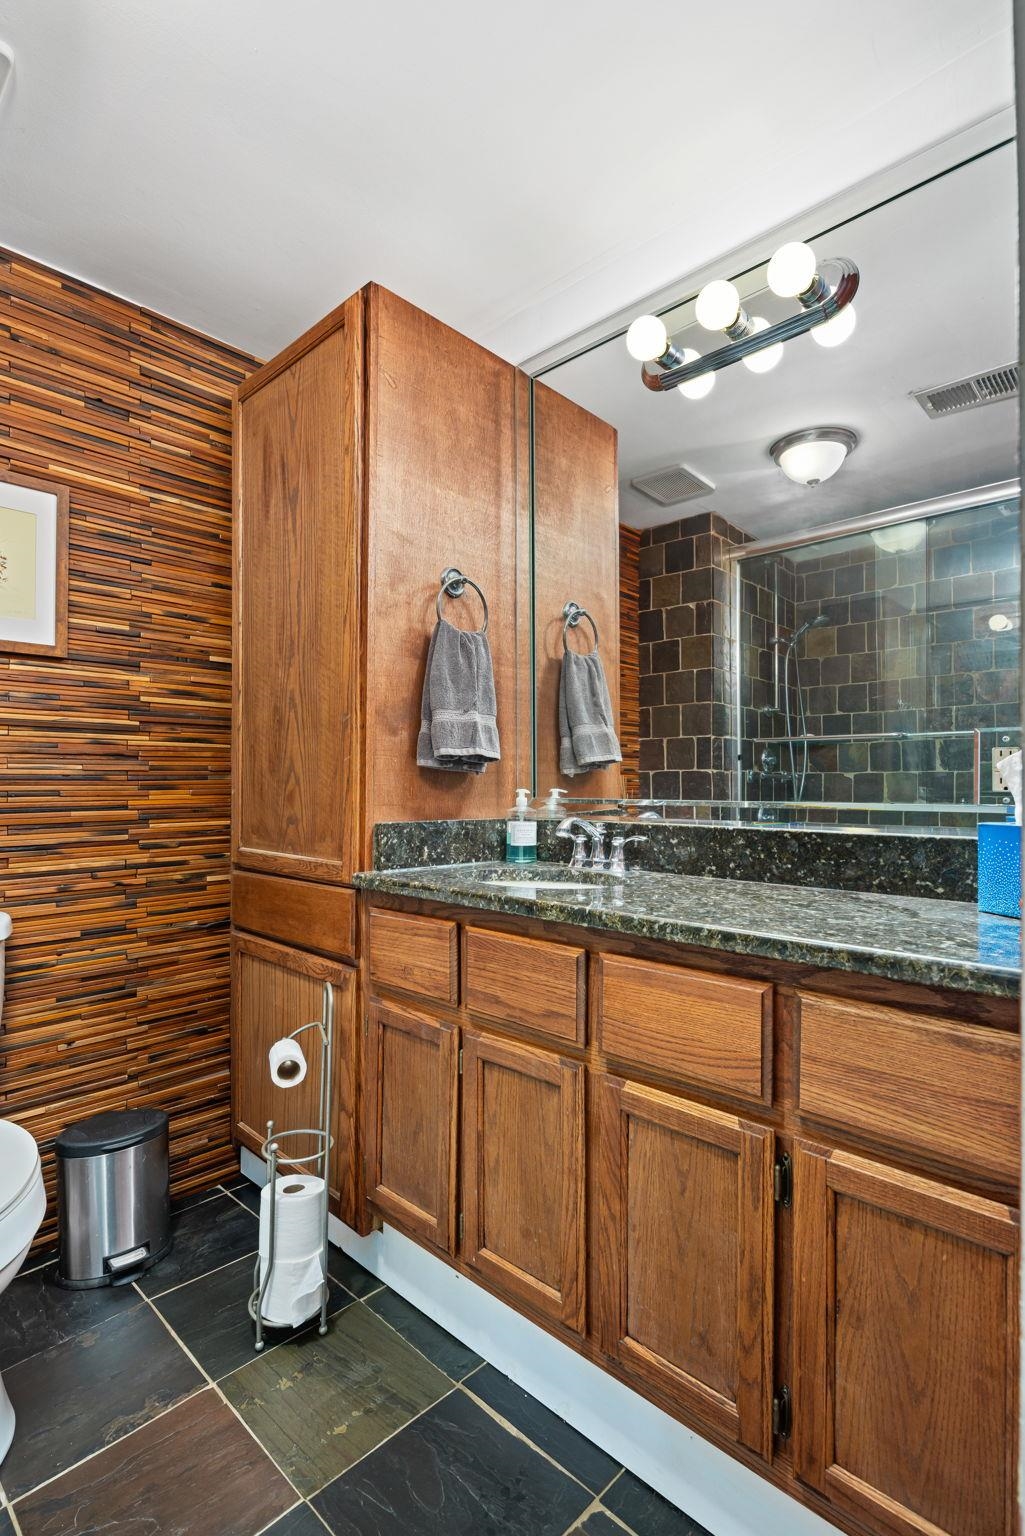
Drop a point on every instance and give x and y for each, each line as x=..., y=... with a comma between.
x=905, y=938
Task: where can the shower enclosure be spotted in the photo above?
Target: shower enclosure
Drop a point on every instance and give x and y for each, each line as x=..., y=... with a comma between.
x=876, y=671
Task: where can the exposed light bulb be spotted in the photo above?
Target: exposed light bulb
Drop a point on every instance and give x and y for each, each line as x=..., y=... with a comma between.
x=766, y=360
x=647, y=338
x=792, y=269
x=837, y=330
x=718, y=305
x=695, y=389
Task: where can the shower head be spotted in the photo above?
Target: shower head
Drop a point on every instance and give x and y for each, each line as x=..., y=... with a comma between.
x=820, y=621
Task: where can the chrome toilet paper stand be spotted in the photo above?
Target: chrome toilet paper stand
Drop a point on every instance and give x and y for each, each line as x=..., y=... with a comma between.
x=320, y=1159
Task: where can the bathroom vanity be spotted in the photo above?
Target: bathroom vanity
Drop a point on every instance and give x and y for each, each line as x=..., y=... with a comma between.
x=756, y=1176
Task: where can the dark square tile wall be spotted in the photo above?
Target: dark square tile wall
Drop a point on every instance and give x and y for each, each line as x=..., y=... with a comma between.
x=685, y=659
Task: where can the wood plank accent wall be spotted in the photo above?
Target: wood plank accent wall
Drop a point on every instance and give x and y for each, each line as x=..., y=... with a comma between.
x=629, y=657
x=115, y=761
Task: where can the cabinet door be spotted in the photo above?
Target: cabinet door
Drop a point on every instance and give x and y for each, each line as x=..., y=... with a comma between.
x=683, y=1288
x=412, y=1067
x=523, y=1174
x=275, y=989
x=905, y=1321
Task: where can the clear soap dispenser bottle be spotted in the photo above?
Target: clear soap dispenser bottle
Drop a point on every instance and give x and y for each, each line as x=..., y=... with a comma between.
x=521, y=832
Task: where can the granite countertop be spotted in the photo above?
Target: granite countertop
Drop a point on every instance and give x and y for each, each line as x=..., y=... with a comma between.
x=905, y=938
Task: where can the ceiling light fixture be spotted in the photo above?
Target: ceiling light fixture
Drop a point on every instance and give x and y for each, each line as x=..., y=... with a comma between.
x=810, y=457
x=823, y=291
x=6, y=66
x=899, y=538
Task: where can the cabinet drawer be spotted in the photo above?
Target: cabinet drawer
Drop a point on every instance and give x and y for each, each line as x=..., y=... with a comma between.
x=714, y=1031
x=414, y=954
x=945, y=1090
x=530, y=983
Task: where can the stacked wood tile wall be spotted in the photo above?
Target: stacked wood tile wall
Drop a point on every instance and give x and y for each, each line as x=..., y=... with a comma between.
x=629, y=658
x=115, y=761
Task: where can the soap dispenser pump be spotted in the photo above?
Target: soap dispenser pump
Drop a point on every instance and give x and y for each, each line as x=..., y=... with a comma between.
x=521, y=832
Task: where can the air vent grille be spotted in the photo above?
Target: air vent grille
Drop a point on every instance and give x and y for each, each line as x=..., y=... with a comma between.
x=672, y=485
x=968, y=394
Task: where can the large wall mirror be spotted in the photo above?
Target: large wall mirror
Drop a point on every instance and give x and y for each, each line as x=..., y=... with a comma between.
x=802, y=569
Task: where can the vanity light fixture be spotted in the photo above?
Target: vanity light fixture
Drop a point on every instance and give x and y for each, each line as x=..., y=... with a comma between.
x=823, y=291
x=810, y=457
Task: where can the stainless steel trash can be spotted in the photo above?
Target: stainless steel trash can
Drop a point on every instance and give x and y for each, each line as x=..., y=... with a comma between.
x=113, y=1197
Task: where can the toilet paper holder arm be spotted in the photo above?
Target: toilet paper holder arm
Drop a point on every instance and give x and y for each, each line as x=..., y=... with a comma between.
x=320, y=1160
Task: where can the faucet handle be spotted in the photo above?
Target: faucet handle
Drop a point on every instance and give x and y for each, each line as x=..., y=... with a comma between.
x=617, y=859
x=579, y=840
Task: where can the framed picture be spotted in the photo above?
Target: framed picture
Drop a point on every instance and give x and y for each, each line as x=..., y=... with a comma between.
x=33, y=567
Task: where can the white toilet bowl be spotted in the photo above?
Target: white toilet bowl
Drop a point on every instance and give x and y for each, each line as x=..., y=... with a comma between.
x=22, y=1206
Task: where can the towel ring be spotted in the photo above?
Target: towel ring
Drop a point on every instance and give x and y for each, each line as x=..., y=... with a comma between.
x=454, y=584
x=573, y=613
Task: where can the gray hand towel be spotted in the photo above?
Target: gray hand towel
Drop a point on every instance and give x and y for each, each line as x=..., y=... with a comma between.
x=587, y=735
x=458, y=725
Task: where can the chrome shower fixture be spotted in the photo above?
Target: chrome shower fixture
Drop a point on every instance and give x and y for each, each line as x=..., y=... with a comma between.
x=823, y=291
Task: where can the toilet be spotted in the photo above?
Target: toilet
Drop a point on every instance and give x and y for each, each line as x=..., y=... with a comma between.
x=22, y=1206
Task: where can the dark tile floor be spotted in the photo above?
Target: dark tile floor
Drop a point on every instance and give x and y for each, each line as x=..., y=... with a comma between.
x=147, y=1408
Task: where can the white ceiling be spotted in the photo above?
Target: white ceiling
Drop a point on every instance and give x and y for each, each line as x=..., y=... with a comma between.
x=937, y=302
x=242, y=165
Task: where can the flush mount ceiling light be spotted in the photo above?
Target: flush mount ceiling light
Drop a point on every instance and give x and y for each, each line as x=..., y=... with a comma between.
x=823, y=291
x=810, y=457
x=899, y=538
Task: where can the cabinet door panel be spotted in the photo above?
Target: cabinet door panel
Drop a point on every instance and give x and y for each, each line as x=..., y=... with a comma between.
x=523, y=1174
x=412, y=1067
x=905, y=1298
x=275, y=989
x=684, y=1263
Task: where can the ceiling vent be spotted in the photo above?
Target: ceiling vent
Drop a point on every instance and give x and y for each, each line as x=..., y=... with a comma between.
x=967, y=394
x=668, y=487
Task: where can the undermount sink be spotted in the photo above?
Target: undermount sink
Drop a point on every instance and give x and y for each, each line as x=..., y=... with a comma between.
x=575, y=880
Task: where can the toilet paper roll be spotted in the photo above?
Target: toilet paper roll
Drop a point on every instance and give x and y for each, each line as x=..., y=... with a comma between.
x=297, y=1281
x=287, y=1063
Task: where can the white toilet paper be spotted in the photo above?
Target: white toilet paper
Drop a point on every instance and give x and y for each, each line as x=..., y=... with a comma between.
x=297, y=1282
x=287, y=1063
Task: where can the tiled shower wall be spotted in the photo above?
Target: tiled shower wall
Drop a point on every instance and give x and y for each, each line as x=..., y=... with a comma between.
x=685, y=659
x=908, y=647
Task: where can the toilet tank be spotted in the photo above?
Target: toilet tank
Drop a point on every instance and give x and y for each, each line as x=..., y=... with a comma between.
x=5, y=933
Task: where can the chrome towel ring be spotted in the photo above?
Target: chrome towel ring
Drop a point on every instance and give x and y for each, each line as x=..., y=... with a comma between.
x=573, y=613
x=454, y=584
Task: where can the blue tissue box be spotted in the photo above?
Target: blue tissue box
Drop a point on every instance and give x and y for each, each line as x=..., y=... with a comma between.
x=1000, y=868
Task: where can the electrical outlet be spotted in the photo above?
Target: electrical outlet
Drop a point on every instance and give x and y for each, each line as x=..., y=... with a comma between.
x=999, y=753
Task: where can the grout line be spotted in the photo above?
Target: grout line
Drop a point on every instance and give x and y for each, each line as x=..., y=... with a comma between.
x=228, y=1404
x=146, y=1296
x=100, y=1449
x=374, y=1449
x=518, y=1434
x=231, y=1194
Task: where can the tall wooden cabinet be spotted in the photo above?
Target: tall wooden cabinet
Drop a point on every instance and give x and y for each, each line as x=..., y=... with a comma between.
x=376, y=451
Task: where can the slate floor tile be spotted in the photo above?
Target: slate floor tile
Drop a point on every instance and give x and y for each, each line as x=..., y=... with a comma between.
x=357, y=1280
x=644, y=1510
x=81, y=1395
x=248, y=1193
x=455, y=1471
x=319, y=1404
x=557, y=1439
x=301, y=1521
x=599, y=1524
x=441, y=1349
x=36, y=1313
x=192, y=1472
x=206, y=1237
x=211, y=1317
x=6, y=1528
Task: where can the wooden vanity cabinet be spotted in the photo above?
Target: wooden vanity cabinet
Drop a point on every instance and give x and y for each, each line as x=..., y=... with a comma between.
x=906, y=1316
x=683, y=1239
x=410, y=1095
x=613, y=1159
x=522, y=1166
x=275, y=989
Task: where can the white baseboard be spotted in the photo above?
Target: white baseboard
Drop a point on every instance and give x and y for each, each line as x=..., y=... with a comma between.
x=710, y=1486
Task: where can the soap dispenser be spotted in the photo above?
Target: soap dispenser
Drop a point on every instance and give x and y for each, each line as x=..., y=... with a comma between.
x=521, y=832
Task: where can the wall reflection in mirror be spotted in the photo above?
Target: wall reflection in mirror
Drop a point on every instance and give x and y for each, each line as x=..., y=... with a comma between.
x=818, y=585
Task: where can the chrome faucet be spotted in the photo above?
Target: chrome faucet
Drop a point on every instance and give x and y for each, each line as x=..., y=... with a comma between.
x=617, y=858
x=588, y=830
